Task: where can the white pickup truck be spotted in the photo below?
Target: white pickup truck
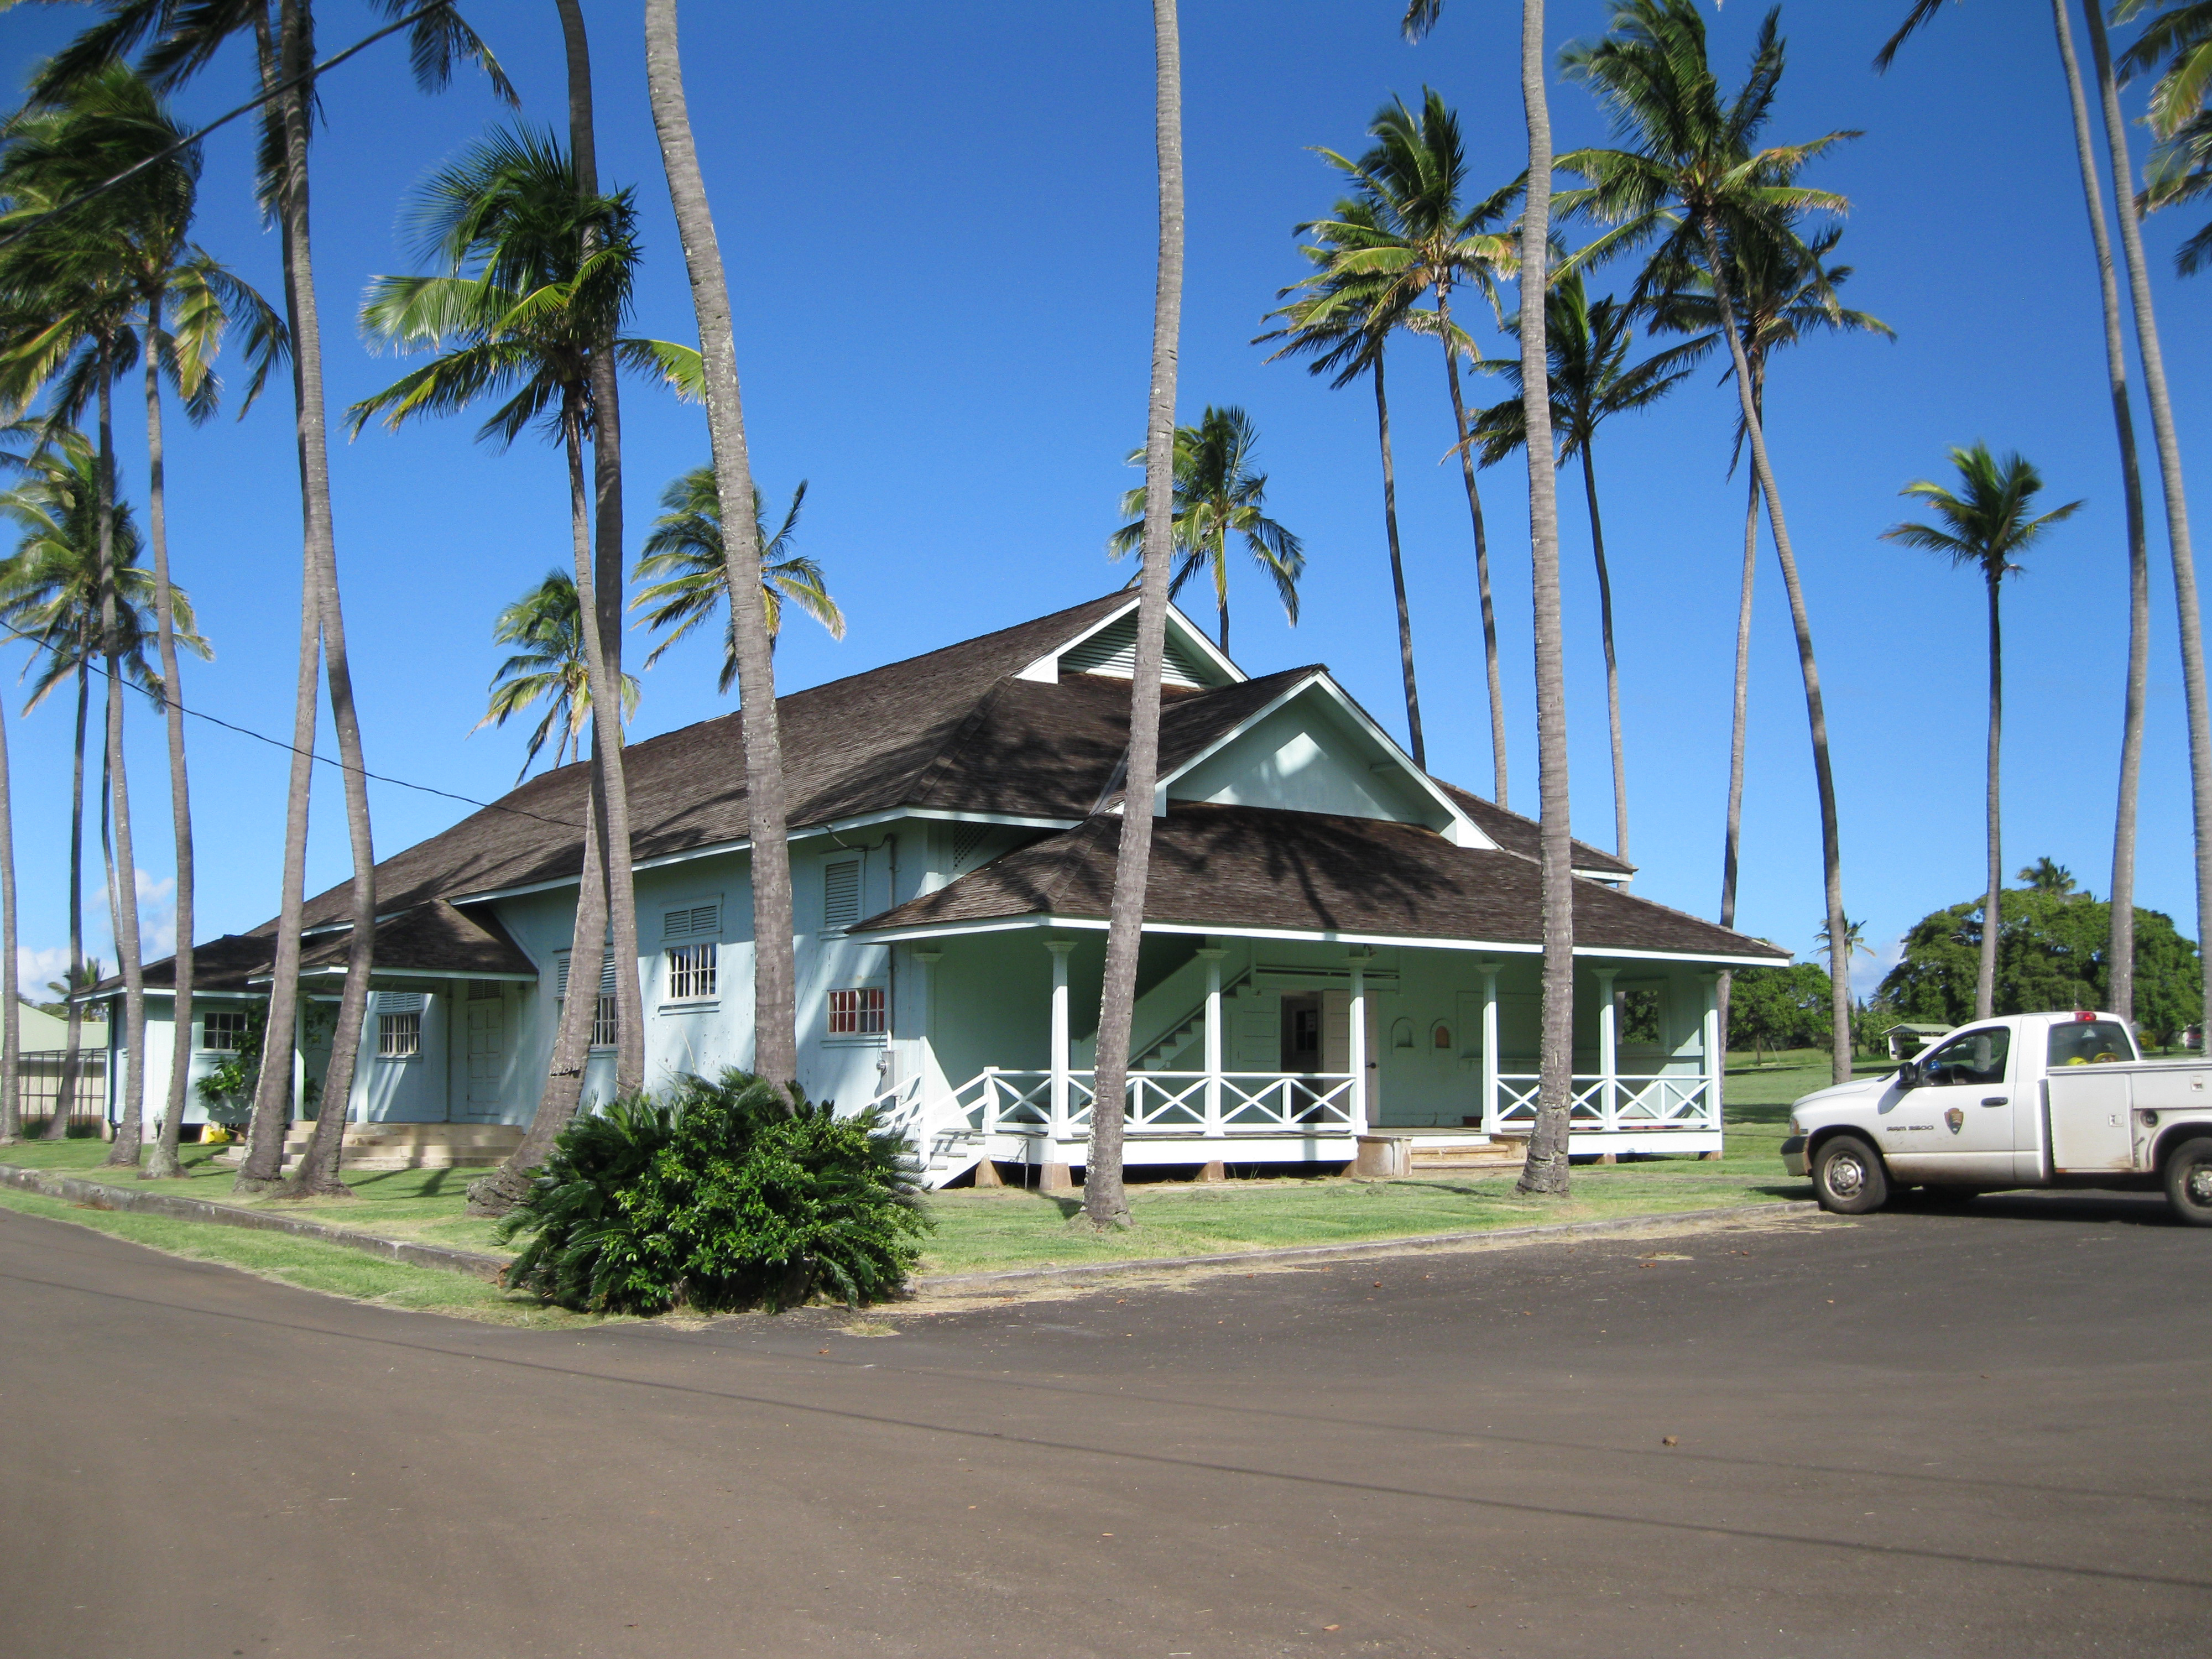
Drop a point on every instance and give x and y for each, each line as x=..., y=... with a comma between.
x=2029, y=1100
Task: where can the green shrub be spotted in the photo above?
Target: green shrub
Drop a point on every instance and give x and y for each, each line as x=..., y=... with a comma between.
x=718, y=1194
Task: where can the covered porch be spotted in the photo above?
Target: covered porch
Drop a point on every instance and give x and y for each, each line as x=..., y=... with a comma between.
x=1249, y=1051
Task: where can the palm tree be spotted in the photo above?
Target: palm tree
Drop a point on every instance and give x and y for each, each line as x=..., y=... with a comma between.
x=1854, y=938
x=186, y=301
x=1588, y=343
x=69, y=299
x=77, y=607
x=1784, y=290
x=1984, y=526
x=775, y=1039
x=1217, y=495
x=547, y=624
x=186, y=36
x=2047, y=877
x=1105, y=1200
x=686, y=555
x=1419, y=238
x=1342, y=320
x=534, y=278
x=1547, y=1168
x=1690, y=178
x=2168, y=442
x=2121, y=952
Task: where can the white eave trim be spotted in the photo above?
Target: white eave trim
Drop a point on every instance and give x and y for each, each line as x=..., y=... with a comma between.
x=1091, y=923
x=1464, y=831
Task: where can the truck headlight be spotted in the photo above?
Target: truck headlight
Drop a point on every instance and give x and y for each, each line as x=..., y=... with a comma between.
x=1796, y=1127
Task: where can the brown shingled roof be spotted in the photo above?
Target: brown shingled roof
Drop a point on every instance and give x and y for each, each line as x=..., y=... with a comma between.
x=436, y=938
x=1242, y=866
x=1524, y=836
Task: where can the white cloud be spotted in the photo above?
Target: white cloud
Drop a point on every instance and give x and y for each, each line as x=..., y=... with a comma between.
x=157, y=916
x=34, y=967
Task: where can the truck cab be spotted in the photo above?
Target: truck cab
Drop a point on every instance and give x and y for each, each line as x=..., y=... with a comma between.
x=2024, y=1100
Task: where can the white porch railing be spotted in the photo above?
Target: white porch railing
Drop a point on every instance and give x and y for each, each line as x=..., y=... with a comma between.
x=1161, y=1102
x=1679, y=1102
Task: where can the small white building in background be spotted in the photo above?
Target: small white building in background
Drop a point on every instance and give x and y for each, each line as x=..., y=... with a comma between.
x=1336, y=943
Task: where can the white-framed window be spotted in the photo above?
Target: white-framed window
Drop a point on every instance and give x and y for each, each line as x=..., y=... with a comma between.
x=222, y=1031
x=603, y=1010
x=857, y=1014
x=692, y=973
x=840, y=895
x=399, y=1025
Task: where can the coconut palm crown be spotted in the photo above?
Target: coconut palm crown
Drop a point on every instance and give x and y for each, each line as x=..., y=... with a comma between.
x=1218, y=493
x=548, y=625
x=687, y=563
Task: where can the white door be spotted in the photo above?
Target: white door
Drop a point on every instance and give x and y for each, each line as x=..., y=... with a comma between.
x=1957, y=1125
x=486, y=1058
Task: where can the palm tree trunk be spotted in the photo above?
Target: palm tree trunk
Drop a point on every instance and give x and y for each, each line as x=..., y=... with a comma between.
x=319, y=1168
x=166, y=1161
x=1481, y=542
x=1398, y=568
x=775, y=1038
x=1732, y=837
x=508, y=1185
x=1611, y=667
x=1985, y=981
x=123, y=869
x=261, y=1170
x=1220, y=588
x=73, y=1040
x=607, y=583
x=1546, y=1170
x=11, y=1089
x=1105, y=1200
x=1839, y=947
x=2177, y=526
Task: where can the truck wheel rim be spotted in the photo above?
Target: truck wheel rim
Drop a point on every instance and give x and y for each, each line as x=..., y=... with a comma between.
x=1845, y=1176
x=2199, y=1184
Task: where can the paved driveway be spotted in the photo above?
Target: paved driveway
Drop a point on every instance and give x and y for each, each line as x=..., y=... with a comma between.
x=1921, y=1433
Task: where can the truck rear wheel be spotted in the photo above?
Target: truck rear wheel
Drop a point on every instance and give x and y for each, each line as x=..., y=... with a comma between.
x=2189, y=1182
x=1848, y=1177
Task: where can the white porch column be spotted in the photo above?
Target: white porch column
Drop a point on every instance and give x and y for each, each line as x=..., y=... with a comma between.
x=924, y=1019
x=1357, y=1014
x=1060, y=948
x=1489, y=970
x=1715, y=1055
x=300, y=1053
x=1609, y=1064
x=1213, y=954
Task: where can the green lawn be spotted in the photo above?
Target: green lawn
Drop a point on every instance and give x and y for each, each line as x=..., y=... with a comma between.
x=988, y=1229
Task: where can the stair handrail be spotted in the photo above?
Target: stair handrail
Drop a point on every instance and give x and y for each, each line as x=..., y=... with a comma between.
x=1137, y=1057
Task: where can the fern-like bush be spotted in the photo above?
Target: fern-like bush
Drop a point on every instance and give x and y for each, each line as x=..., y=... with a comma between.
x=715, y=1194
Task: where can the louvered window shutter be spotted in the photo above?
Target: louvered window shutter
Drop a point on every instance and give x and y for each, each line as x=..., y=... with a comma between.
x=840, y=895
x=695, y=921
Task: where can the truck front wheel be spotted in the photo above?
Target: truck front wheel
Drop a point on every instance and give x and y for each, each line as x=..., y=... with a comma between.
x=1849, y=1179
x=2189, y=1182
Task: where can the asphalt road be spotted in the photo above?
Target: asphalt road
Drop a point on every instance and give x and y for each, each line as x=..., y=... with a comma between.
x=1921, y=1433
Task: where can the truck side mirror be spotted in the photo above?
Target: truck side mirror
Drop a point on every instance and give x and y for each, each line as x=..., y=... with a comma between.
x=1908, y=1075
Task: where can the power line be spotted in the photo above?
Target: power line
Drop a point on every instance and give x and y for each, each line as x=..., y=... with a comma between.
x=291, y=749
x=139, y=167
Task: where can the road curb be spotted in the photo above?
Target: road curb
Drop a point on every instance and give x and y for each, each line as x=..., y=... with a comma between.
x=103, y=1195
x=1291, y=1254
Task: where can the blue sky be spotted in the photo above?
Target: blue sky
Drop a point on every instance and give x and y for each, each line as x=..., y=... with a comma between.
x=938, y=225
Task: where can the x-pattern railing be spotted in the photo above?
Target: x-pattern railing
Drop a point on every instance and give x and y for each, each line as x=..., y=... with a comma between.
x=1618, y=1102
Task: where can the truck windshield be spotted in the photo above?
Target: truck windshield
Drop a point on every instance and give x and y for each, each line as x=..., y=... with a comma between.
x=2090, y=1042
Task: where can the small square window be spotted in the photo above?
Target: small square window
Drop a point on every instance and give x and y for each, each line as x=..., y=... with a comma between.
x=602, y=1023
x=223, y=1031
x=398, y=1036
x=691, y=972
x=857, y=1013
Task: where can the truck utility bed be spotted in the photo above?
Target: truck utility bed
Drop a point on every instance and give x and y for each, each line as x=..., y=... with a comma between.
x=2103, y=1118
